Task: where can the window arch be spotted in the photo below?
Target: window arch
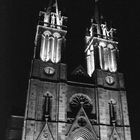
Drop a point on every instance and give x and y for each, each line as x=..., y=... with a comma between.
x=112, y=110
x=47, y=105
x=50, y=49
x=45, y=49
x=80, y=100
x=90, y=60
x=107, y=56
x=82, y=134
x=112, y=58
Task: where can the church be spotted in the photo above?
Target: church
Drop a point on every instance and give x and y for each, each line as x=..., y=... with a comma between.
x=87, y=102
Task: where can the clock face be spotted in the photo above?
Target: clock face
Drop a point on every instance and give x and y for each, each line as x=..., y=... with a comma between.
x=109, y=80
x=49, y=70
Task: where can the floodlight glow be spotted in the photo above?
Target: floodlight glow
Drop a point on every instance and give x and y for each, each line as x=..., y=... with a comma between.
x=51, y=47
x=110, y=46
x=103, y=44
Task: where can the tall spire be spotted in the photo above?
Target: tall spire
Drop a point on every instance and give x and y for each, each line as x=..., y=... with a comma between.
x=56, y=7
x=52, y=4
x=97, y=16
x=97, y=13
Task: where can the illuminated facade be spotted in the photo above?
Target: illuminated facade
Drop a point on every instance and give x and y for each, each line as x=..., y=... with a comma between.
x=92, y=104
x=51, y=34
x=106, y=47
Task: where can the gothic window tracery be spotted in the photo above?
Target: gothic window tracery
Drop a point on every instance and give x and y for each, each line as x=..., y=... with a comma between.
x=50, y=47
x=80, y=138
x=82, y=134
x=112, y=58
x=107, y=57
x=90, y=60
x=80, y=100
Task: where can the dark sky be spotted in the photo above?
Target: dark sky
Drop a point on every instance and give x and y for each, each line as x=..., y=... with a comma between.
x=18, y=20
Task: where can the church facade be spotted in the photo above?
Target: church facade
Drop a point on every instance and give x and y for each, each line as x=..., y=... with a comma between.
x=92, y=103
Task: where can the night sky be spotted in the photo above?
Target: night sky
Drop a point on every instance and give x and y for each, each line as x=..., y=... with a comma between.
x=18, y=20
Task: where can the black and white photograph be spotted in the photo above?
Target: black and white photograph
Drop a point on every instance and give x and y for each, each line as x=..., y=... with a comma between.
x=69, y=70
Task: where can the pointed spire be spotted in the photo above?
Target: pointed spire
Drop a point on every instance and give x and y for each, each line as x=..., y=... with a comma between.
x=52, y=4
x=97, y=17
x=56, y=7
x=97, y=13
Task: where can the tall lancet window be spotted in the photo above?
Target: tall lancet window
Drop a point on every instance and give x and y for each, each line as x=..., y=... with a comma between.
x=112, y=110
x=45, y=46
x=107, y=56
x=56, y=48
x=103, y=56
x=47, y=105
x=51, y=47
x=112, y=58
x=90, y=60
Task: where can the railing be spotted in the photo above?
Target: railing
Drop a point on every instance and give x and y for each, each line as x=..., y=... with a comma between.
x=63, y=27
x=53, y=20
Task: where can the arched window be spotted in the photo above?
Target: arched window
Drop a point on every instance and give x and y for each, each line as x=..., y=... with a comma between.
x=107, y=56
x=103, y=52
x=47, y=105
x=56, y=52
x=112, y=58
x=90, y=60
x=51, y=47
x=80, y=100
x=82, y=134
x=112, y=110
x=80, y=138
x=45, y=46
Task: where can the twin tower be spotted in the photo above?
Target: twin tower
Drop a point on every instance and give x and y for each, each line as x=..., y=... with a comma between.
x=85, y=104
